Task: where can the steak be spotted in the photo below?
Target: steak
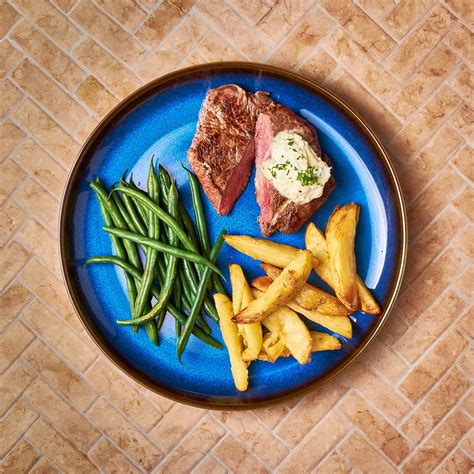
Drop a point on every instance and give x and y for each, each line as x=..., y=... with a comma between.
x=277, y=212
x=223, y=149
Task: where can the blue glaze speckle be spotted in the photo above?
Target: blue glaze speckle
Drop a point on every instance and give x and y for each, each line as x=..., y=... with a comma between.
x=163, y=126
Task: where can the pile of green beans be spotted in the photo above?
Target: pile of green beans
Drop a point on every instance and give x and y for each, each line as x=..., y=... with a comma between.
x=179, y=268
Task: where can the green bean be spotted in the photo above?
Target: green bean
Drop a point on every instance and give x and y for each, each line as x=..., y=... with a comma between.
x=161, y=214
x=151, y=258
x=190, y=322
x=120, y=250
x=200, y=319
x=161, y=247
x=124, y=213
x=141, y=210
x=159, y=310
x=132, y=271
x=140, y=226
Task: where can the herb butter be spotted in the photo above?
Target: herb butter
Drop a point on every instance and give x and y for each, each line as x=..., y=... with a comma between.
x=294, y=169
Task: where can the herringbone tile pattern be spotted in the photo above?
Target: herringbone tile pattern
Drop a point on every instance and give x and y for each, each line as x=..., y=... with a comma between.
x=405, y=65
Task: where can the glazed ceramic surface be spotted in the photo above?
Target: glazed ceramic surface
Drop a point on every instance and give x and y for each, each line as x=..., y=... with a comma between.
x=159, y=121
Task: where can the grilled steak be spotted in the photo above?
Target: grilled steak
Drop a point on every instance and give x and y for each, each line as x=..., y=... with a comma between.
x=223, y=151
x=277, y=212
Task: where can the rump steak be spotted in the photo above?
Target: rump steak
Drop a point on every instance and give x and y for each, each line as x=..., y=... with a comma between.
x=222, y=151
x=277, y=212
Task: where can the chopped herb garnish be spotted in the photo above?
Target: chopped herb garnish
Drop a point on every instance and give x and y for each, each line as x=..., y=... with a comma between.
x=308, y=177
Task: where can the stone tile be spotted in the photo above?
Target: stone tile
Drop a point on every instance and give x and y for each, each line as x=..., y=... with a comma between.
x=216, y=48
x=36, y=200
x=163, y=403
x=420, y=42
x=12, y=384
x=463, y=82
x=433, y=365
x=61, y=105
x=109, y=459
x=416, y=173
x=365, y=69
x=468, y=403
x=64, y=5
x=464, y=162
x=429, y=326
x=174, y=426
x=466, y=323
x=11, y=219
x=127, y=12
x=237, y=458
x=38, y=241
x=366, y=31
x=13, y=342
x=10, y=136
x=302, y=40
x=85, y=129
x=466, y=362
x=454, y=463
x=96, y=96
x=234, y=29
x=255, y=437
x=307, y=454
x=394, y=328
x=405, y=15
x=255, y=11
x=20, y=459
x=424, y=81
x=282, y=17
x=439, y=444
x=463, y=9
x=377, y=391
x=421, y=125
x=381, y=433
x=50, y=289
x=9, y=17
x=433, y=408
x=363, y=457
x=209, y=464
x=47, y=55
x=9, y=56
x=464, y=241
x=12, y=301
x=42, y=167
x=122, y=433
x=12, y=177
x=100, y=26
x=43, y=466
x=76, y=428
x=60, y=375
x=51, y=21
x=10, y=96
x=194, y=448
x=459, y=40
x=117, y=391
x=271, y=416
x=13, y=258
x=333, y=464
x=318, y=66
x=47, y=132
x=106, y=68
x=14, y=424
x=162, y=20
x=59, y=336
x=432, y=240
x=56, y=448
x=462, y=121
x=177, y=45
x=442, y=189
x=380, y=357
x=468, y=443
x=308, y=413
x=464, y=283
x=376, y=115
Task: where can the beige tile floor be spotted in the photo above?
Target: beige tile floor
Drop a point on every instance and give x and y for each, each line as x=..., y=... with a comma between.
x=406, y=66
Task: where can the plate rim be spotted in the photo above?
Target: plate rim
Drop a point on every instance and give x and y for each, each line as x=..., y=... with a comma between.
x=81, y=160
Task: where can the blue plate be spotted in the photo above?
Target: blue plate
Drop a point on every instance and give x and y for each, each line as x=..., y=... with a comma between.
x=159, y=121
